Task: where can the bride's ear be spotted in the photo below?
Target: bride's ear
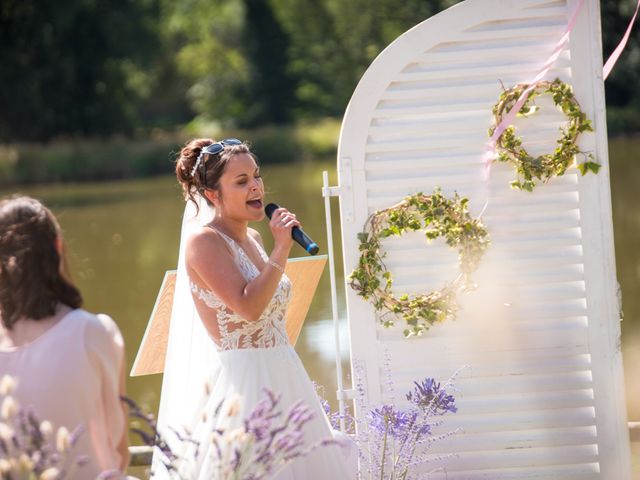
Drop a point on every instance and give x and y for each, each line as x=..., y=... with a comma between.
x=59, y=244
x=212, y=196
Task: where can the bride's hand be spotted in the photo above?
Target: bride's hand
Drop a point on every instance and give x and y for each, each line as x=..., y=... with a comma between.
x=281, y=223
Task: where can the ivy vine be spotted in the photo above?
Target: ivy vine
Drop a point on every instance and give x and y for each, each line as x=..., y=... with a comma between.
x=509, y=145
x=437, y=216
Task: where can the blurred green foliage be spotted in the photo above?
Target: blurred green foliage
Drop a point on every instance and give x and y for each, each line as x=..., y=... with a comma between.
x=621, y=88
x=98, y=68
x=75, y=67
x=77, y=160
x=82, y=160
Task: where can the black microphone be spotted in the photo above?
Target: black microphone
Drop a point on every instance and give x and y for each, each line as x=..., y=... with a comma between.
x=296, y=232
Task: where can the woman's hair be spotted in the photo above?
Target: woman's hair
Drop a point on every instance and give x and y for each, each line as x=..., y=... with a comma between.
x=33, y=275
x=211, y=166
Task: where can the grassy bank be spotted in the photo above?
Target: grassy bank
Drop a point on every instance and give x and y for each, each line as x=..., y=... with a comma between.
x=119, y=158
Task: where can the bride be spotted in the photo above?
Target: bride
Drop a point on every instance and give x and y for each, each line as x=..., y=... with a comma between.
x=228, y=318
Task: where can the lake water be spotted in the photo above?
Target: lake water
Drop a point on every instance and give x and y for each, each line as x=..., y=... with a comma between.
x=122, y=237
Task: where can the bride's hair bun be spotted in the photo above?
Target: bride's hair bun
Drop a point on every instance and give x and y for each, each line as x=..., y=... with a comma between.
x=188, y=157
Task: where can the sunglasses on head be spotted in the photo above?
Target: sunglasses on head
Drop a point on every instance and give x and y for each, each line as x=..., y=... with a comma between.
x=217, y=147
x=212, y=149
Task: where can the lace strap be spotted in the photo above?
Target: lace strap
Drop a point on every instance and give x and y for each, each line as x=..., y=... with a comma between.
x=240, y=254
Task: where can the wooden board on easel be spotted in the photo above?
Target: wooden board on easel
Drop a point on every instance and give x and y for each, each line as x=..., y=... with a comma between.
x=304, y=273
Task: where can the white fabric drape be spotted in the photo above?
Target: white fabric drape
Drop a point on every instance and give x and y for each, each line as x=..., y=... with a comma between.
x=191, y=360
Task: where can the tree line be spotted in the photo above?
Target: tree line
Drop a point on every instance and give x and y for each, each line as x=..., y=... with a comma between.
x=95, y=68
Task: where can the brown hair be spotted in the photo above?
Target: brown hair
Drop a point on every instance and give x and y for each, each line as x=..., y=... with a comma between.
x=215, y=165
x=33, y=275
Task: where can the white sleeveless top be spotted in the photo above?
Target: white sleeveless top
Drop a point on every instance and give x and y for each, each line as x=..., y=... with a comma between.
x=237, y=332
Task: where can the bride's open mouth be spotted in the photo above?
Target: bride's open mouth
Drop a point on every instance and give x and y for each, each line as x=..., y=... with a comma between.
x=257, y=203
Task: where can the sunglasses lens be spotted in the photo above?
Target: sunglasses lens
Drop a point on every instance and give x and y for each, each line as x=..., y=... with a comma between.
x=217, y=147
x=214, y=148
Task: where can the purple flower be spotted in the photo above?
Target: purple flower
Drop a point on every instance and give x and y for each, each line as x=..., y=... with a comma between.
x=389, y=419
x=27, y=445
x=429, y=396
x=334, y=417
x=392, y=442
x=267, y=441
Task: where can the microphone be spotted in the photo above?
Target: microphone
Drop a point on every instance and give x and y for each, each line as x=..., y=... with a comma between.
x=296, y=232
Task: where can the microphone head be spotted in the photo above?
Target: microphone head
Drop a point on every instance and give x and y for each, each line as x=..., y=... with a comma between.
x=270, y=208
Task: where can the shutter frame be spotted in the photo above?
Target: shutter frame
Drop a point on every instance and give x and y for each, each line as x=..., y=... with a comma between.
x=384, y=156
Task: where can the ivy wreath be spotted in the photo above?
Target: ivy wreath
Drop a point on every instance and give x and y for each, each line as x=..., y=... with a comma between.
x=509, y=145
x=437, y=216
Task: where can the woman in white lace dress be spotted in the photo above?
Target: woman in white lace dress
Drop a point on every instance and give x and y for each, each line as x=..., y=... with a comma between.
x=240, y=295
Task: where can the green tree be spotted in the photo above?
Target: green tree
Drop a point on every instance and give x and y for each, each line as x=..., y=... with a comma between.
x=317, y=58
x=207, y=38
x=623, y=97
x=234, y=54
x=334, y=41
x=98, y=67
x=74, y=67
x=271, y=93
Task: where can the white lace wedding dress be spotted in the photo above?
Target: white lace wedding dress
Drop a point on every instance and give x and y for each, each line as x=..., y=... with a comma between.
x=257, y=355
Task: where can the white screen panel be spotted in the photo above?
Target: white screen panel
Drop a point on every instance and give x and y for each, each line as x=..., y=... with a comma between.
x=542, y=397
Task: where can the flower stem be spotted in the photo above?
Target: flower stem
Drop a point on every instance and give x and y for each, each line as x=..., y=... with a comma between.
x=384, y=446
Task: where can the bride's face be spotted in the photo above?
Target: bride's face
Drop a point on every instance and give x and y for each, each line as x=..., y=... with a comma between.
x=241, y=192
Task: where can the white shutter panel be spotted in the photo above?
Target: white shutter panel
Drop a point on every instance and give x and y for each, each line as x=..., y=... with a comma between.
x=543, y=396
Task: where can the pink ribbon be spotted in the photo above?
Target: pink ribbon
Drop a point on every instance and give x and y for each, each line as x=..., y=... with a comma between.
x=509, y=118
x=490, y=151
x=613, y=58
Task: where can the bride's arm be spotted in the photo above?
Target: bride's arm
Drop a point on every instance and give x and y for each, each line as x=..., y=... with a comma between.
x=209, y=257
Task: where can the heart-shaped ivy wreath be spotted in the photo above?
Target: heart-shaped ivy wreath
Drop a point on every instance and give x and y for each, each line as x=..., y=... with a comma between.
x=437, y=216
x=509, y=145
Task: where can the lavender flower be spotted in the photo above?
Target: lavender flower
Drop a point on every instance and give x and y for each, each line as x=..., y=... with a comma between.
x=333, y=416
x=428, y=395
x=150, y=437
x=266, y=441
x=397, y=423
x=29, y=448
x=392, y=442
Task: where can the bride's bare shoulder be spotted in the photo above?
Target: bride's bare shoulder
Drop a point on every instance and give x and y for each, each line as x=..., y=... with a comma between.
x=206, y=242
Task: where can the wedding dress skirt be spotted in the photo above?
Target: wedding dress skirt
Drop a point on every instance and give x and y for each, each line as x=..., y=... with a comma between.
x=247, y=372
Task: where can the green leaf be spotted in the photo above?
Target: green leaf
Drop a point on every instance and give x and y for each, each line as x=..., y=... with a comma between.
x=528, y=185
x=528, y=110
x=587, y=167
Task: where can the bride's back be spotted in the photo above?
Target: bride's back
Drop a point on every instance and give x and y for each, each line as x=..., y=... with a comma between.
x=228, y=329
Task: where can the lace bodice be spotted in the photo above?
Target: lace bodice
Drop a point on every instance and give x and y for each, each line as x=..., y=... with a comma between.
x=236, y=332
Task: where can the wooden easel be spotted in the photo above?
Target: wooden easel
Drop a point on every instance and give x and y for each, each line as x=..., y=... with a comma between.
x=304, y=273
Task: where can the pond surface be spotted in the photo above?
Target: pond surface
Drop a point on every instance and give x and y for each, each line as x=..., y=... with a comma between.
x=123, y=236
